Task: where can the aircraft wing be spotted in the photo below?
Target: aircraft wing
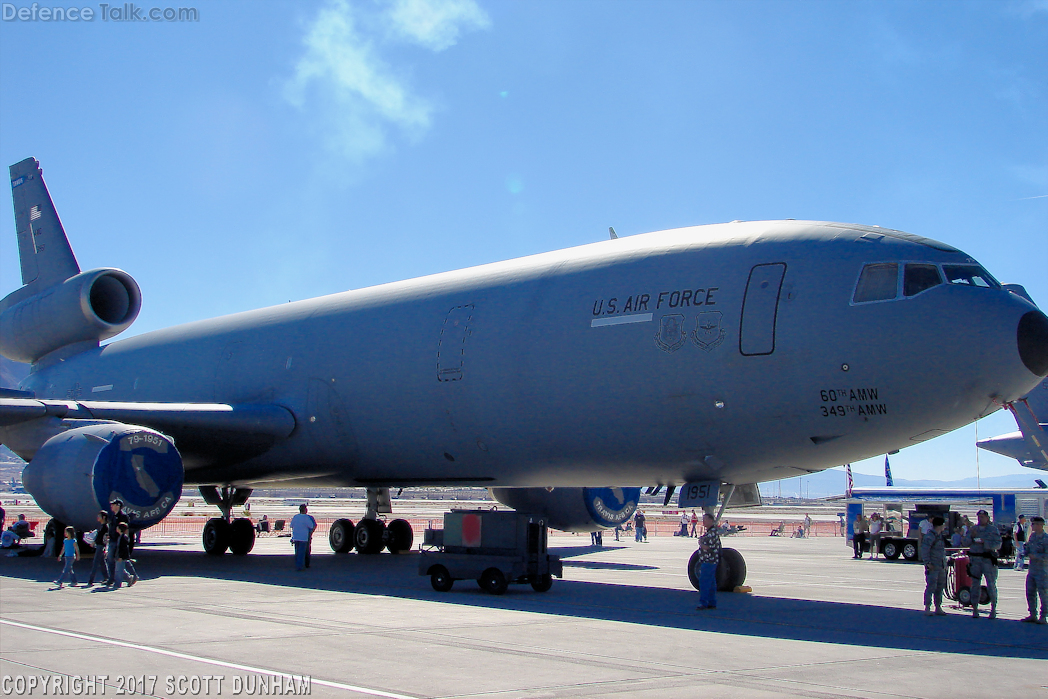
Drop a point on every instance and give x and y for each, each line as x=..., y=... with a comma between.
x=204, y=433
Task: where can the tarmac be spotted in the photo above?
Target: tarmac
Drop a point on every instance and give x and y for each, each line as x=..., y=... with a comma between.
x=622, y=622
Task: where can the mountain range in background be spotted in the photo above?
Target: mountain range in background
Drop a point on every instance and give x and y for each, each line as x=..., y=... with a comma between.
x=834, y=482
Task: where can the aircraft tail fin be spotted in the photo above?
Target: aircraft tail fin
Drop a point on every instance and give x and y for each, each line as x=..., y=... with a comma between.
x=1033, y=434
x=43, y=249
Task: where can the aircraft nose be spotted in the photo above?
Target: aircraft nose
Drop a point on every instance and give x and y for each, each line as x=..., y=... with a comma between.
x=1032, y=336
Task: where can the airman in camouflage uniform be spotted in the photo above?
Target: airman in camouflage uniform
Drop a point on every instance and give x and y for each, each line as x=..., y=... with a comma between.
x=983, y=542
x=933, y=553
x=1037, y=575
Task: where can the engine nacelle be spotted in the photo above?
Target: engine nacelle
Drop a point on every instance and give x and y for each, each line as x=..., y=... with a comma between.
x=573, y=509
x=93, y=305
x=78, y=472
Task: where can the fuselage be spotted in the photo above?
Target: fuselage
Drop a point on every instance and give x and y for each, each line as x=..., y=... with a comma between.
x=737, y=351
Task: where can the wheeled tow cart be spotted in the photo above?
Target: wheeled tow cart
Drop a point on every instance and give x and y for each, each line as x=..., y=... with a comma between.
x=493, y=547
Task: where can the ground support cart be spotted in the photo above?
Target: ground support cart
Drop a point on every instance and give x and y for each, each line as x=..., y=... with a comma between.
x=493, y=547
x=959, y=581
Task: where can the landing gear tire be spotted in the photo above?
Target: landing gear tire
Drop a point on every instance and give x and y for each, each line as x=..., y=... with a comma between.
x=891, y=550
x=909, y=551
x=492, y=580
x=368, y=536
x=340, y=536
x=693, y=570
x=241, y=537
x=216, y=536
x=399, y=536
x=440, y=578
x=731, y=570
x=542, y=583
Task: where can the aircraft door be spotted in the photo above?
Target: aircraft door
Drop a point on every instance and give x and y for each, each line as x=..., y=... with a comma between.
x=451, y=348
x=759, y=309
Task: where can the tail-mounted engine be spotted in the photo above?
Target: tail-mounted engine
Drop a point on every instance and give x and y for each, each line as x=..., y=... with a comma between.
x=79, y=472
x=92, y=306
x=573, y=509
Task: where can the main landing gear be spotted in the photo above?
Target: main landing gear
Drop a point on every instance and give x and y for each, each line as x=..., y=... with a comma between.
x=371, y=534
x=731, y=570
x=222, y=533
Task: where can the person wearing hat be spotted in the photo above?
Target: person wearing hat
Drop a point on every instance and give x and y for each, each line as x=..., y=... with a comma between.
x=983, y=541
x=1037, y=575
x=933, y=553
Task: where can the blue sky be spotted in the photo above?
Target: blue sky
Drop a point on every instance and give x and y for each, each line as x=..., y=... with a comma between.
x=282, y=150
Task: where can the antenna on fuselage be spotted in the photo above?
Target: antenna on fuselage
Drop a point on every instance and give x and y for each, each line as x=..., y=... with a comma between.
x=614, y=235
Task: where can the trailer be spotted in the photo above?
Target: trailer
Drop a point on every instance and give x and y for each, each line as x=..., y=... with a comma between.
x=904, y=508
x=494, y=547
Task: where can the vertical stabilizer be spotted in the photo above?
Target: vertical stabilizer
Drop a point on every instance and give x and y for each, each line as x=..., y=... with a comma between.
x=43, y=248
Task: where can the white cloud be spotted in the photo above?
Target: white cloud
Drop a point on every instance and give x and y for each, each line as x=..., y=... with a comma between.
x=343, y=79
x=436, y=24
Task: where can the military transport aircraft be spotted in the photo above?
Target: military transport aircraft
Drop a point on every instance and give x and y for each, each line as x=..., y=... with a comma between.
x=1029, y=446
x=732, y=353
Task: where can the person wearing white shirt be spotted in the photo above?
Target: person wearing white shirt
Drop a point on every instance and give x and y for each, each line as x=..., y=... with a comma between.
x=302, y=527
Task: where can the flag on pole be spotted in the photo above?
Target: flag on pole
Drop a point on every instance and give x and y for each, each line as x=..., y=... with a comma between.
x=887, y=473
x=848, y=491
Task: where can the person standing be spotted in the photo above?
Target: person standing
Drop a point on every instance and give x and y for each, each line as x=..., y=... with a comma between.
x=924, y=527
x=694, y=524
x=1019, y=535
x=71, y=553
x=807, y=526
x=684, y=519
x=640, y=532
x=123, y=557
x=876, y=526
x=117, y=517
x=933, y=553
x=1037, y=576
x=858, y=535
x=983, y=542
x=709, y=556
x=302, y=526
x=101, y=539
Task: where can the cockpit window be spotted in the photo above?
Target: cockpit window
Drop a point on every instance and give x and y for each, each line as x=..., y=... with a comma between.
x=972, y=275
x=920, y=277
x=878, y=282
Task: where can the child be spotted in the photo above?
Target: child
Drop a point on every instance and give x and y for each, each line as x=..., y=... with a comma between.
x=71, y=553
x=123, y=554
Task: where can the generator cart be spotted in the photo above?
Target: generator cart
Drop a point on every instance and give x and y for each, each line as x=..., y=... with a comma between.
x=493, y=547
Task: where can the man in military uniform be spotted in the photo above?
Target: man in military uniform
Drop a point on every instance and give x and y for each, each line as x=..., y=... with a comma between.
x=1037, y=575
x=983, y=541
x=933, y=553
x=709, y=556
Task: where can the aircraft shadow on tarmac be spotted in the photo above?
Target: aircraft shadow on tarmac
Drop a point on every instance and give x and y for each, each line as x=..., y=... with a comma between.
x=739, y=614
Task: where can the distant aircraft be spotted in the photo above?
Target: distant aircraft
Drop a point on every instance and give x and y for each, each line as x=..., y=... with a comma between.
x=1029, y=446
x=732, y=353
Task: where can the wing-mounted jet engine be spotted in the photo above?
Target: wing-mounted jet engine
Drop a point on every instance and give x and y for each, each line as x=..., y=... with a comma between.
x=77, y=473
x=573, y=509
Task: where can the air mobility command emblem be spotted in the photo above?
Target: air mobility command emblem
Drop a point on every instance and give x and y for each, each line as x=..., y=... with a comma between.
x=708, y=331
x=671, y=335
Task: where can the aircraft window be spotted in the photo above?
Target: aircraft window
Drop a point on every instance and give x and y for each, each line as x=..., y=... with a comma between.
x=878, y=282
x=919, y=277
x=972, y=275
